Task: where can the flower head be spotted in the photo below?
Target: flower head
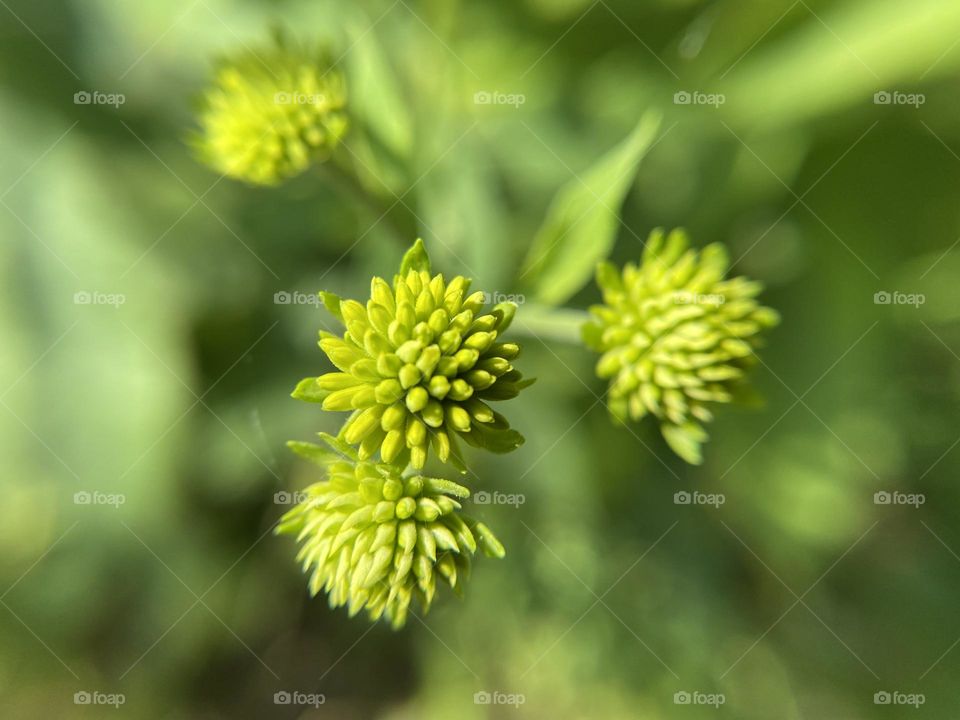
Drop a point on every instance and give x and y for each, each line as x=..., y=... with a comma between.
x=375, y=539
x=418, y=364
x=271, y=113
x=675, y=336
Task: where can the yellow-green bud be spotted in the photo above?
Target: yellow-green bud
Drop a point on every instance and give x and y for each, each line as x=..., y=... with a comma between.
x=373, y=540
x=270, y=113
x=675, y=335
x=420, y=350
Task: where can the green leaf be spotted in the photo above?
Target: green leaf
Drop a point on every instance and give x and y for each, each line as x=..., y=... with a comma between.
x=505, y=389
x=608, y=277
x=314, y=453
x=376, y=98
x=592, y=336
x=456, y=456
x=416, y=258
x=492, y=547
x=291, y=523
x=504, y=312
x=332, y=303
x=809, y=72
x=582, y=222
x=339, y=446
x=685, y=441
x=309, y=390
x=495, y=440
x=439, y=485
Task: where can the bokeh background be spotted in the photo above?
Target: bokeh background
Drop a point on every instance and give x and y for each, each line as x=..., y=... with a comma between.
x=799, y=597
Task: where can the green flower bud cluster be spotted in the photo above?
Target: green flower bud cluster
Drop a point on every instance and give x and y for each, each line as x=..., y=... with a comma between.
x=676, y=336
x=417, y=366
x=271, y=113
x=375, y=540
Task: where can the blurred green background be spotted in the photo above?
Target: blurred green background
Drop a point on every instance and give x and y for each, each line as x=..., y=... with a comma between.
x=799, y=597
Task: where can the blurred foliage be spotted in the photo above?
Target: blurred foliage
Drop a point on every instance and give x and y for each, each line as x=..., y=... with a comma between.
x=798, y=597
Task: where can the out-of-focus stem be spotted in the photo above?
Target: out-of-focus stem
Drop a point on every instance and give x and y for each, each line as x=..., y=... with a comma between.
x=379, y=209
x=550, y=324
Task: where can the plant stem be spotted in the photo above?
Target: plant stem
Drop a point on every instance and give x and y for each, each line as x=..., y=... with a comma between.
x=547, y=323
x=379, y=209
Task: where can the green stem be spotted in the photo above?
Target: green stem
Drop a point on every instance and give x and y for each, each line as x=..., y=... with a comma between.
x=378, y=208
x=553, y=324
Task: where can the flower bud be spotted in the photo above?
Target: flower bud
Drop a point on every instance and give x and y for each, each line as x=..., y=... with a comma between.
x=376, y=544
x=435, y=351
x=271, y=113
x=675, y=335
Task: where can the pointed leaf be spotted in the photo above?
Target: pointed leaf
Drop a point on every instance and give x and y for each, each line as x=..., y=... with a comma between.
x=416, y=258
x=309, y=390
x=685, y=441
x=332, y=303
x=314, y=453
x=582, y=222
x=339, y=446
x=377, y=99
